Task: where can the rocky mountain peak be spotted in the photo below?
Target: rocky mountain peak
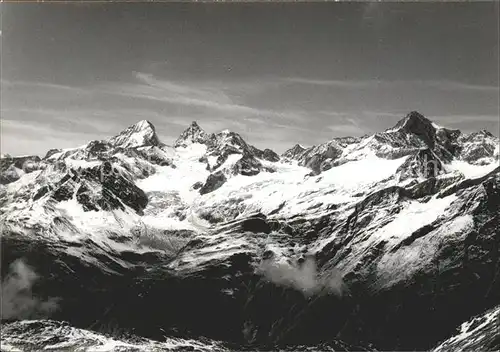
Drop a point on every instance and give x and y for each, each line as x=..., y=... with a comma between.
x=141, y=134
x=418, y=125
x=478, y=147
x=227, y=141
x=294, y=152
x=412, y=118
x=193, y=134
x=483, y=133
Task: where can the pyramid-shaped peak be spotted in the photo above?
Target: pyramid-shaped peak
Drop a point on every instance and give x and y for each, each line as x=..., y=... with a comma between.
x=193, y=134
x=142, y=133
x=297, y=148
x=143, y=125
x=294, y=152
x=414, y=118
x=417, y=124
x=194, y=124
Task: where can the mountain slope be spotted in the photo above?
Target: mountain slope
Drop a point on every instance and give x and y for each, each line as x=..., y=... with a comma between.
x=357, y=241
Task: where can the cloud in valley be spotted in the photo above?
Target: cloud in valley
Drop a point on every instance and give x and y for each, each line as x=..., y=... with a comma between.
x=18, y=301
x=303, y=277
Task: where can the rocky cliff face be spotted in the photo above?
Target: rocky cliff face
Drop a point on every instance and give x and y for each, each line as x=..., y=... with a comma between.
x=385, y=242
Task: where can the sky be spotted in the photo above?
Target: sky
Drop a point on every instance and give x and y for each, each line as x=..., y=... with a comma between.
x=278, y=74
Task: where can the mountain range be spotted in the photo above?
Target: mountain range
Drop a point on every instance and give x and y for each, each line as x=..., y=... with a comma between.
x=387, y=241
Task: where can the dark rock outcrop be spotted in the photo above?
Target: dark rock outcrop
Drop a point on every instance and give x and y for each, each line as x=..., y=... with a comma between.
x=213, y=182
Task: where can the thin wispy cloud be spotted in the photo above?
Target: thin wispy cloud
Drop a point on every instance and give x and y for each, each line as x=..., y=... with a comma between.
x=275, y=115
x=35, y=138
x=6, y=84
x=334, y=83
x=462, y=118
x=100, y=111
x=193, y=94
x=365, y=84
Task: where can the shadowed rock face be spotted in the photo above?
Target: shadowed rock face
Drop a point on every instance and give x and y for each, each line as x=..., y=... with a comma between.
x=114, y=230
x=420, y=126
x=294, y=153
x=214, y=181
x=97, y=188
x=423, y=164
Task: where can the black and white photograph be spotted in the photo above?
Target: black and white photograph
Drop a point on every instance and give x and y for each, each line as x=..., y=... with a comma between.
x=249, y=176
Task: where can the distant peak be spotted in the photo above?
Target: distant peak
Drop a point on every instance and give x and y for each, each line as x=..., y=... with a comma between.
x=193, y=134
x=297, y=148
x=485, y=132
x=294, y=151
x=142, y=133
x=481, y=134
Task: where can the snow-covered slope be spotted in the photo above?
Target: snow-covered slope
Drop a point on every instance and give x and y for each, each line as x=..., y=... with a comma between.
x=138, y=135
x=47, y=335
x=40, y=335
x=481, y=333
x=402, y=225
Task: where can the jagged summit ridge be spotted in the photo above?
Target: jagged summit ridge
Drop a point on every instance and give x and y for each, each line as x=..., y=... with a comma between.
x=140, y=134
x=418, y=125
x=193, y=134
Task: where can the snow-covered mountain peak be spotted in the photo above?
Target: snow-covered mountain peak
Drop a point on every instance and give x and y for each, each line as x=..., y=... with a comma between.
x=141, y=134
x=226, y=136
x=193, y=134
x=478, y=148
